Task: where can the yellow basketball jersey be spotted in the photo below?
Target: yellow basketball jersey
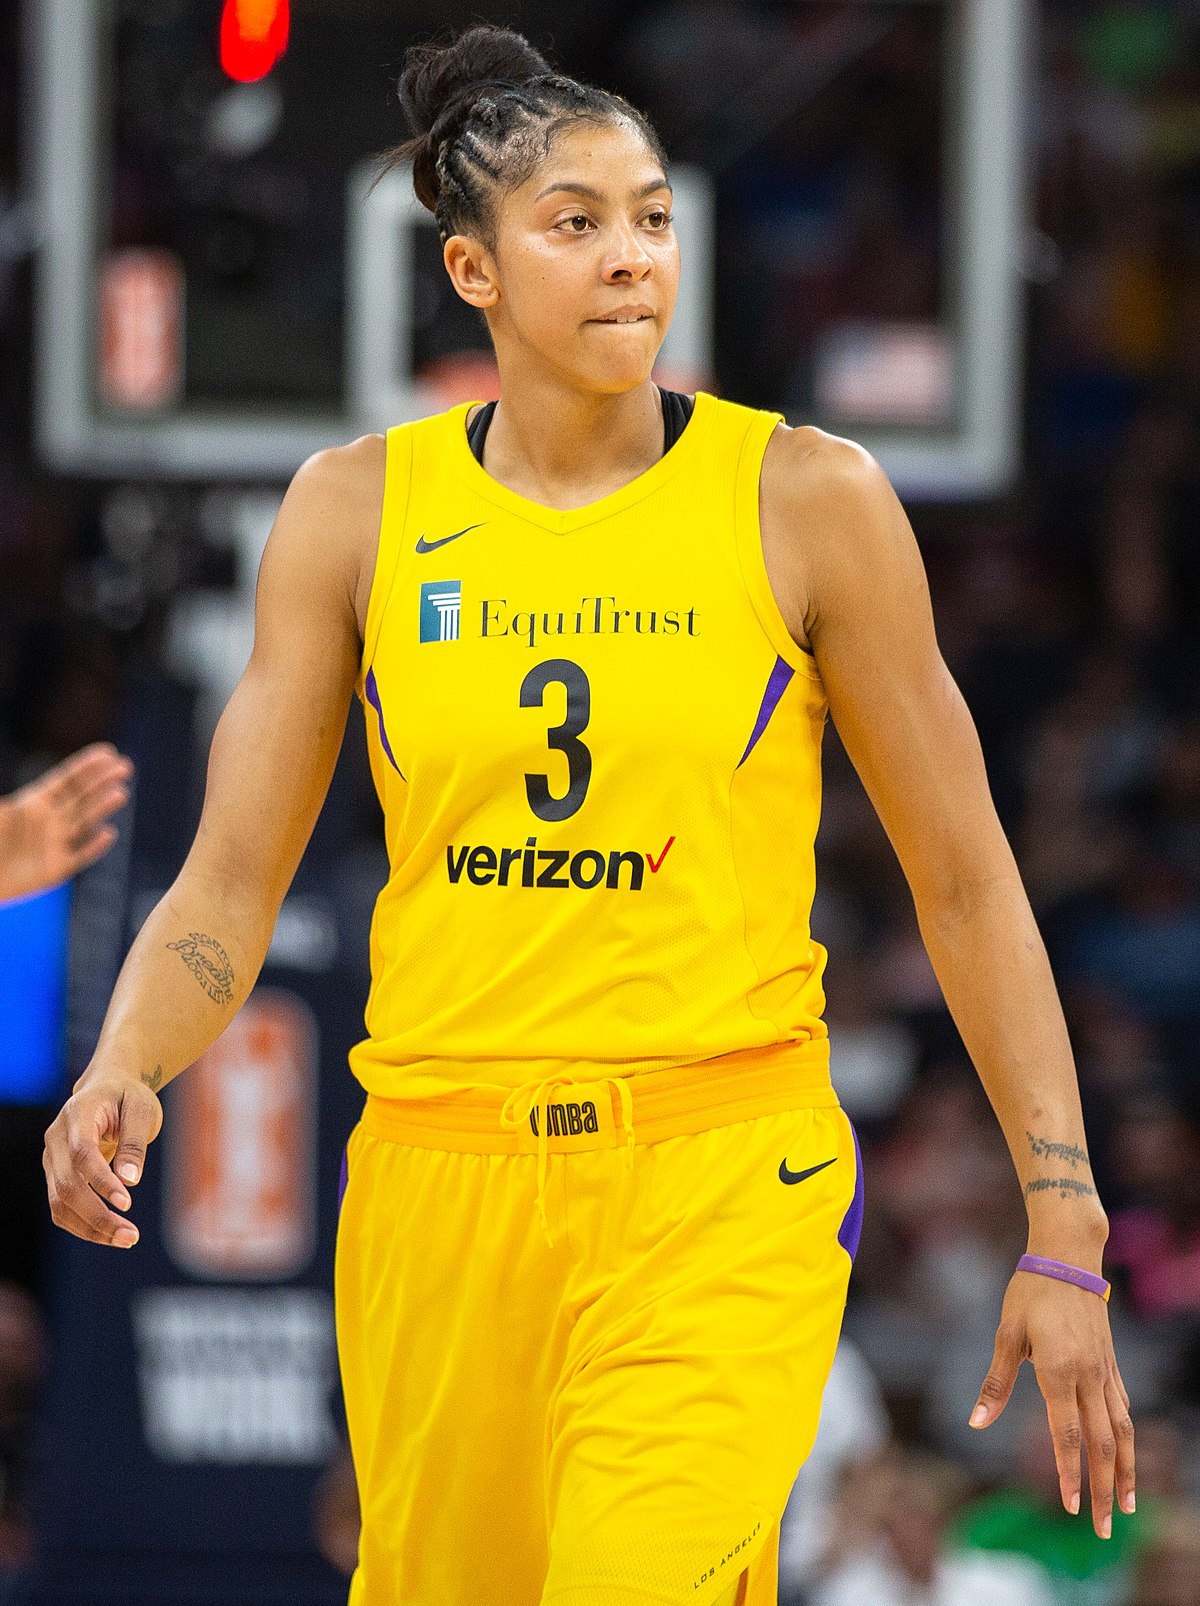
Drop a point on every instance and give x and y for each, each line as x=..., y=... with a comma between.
x=598, y=754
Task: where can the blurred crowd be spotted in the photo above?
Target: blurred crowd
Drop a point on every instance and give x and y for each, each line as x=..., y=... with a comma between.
x=1070, y=617
x=1069, y=613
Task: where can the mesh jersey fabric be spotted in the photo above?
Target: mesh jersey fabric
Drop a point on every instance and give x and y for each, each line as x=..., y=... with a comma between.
x=597, y=750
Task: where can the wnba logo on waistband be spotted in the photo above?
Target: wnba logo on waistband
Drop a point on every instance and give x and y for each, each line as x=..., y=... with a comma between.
x=566, y=1120
x=441, y=609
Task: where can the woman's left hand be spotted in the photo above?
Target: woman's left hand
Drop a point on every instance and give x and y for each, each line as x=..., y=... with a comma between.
x=1064, y=1331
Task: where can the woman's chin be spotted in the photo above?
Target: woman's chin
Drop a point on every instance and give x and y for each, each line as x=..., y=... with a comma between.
x=619, y=375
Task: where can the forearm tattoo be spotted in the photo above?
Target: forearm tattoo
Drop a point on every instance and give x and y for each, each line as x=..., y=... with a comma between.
x=1070, y=1152
x=209, y=963
x=1065, y=1186
x=153, y=1079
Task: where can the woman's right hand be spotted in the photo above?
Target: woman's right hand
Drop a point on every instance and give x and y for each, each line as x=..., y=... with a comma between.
x=99, y=1137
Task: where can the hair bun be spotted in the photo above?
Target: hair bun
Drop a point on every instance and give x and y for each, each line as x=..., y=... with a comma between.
x=440, y=82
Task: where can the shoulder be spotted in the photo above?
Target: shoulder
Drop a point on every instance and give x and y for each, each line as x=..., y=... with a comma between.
x=335, y=506
x=828, y=506
x=807, y=465
x=354, y=470
x=825, y=507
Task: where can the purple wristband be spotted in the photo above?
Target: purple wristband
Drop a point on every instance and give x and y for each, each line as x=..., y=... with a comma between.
x=1065, y=1273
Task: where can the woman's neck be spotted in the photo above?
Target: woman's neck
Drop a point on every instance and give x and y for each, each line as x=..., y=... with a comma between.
x=563, y=448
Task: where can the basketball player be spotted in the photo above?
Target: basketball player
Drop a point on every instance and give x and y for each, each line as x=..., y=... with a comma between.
x=602, y=1201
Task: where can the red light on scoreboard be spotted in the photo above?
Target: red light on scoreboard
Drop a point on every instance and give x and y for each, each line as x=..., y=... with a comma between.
x=254, y=34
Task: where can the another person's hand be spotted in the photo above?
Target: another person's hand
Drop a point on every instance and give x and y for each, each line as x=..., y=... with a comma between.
x=1064, y=1331
x=57, y=825
x=99, y=1137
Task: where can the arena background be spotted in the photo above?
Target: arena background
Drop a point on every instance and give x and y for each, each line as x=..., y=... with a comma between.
x=966, y=232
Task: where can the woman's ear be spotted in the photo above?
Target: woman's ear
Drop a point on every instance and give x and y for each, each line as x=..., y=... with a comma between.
x=471, y=270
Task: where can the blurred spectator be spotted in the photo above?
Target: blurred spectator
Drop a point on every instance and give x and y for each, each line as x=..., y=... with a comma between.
x=1166, y=806
x=942, y=1189
x=1142, y=941
x=1157, y=1239
x=889, y=1543
x=1161, y=1466
x=946, y=1178
x=1102, y=739
x=853, y=1428
x=22, y=1357
x=872, y=1054
x=1168, y=1573
x=337, y=1519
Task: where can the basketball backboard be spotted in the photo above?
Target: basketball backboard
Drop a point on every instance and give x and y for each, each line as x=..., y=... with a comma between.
x=218, y=295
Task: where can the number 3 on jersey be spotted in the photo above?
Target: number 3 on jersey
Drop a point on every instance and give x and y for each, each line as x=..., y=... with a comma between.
x=564, y=737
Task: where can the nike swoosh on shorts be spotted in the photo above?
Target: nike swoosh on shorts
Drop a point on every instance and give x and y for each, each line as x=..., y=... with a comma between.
x=798, y=1176
x=431, y=546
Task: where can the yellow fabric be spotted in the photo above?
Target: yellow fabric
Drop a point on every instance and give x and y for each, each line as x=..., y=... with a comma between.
x=668, y=1103
x=589, y=863
x=611, y=1421
x=521, y=1101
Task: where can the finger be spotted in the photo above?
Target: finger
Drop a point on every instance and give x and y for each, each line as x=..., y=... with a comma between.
x=97, y=765
x=141, y=1121
x=1062, y=1412
x=1101, y=1448
x=1122, y=1426
x=74, y=774
x=1120, y=1382
x=76, y=1206
x=99, y=803
x=79, y=858
x=71, y=1221
x=87, y=1165
x=78, y=817
x=1002, y=1374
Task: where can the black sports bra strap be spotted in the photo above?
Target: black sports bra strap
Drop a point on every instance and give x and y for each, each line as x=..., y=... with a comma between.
x=677, y=409
x=478, y=428
x=676, y=405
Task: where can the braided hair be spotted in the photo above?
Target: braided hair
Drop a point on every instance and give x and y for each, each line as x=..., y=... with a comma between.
x=485, y=109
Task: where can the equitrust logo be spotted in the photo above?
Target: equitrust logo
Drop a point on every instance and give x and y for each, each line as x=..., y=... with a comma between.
x=441, y=610
x=547, y=868
x=494, y=619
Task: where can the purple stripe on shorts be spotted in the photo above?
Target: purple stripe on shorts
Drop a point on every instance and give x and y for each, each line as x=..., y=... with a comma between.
x=372, y=691
x=343, y=1179
x=851, y=1228
x=776, y=686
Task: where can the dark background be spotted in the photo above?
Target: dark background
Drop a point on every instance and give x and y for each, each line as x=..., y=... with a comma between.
x=1066, y=609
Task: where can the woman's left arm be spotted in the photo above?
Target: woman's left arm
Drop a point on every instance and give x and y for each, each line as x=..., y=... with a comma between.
x=846, y=570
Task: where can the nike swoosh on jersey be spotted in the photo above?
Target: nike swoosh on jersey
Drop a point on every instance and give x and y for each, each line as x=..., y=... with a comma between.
x=798, y=1176
x=431, y=546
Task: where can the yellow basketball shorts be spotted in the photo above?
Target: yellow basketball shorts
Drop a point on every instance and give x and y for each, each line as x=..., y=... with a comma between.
x=608, y=1403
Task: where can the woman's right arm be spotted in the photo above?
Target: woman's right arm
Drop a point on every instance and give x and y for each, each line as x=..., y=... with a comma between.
x=198, y=955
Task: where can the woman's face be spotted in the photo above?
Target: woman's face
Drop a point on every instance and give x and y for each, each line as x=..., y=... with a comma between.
x=587, y=234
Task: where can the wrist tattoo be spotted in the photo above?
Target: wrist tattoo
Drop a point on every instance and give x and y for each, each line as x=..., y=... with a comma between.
x=209, y=963
x=1065, y=1186
x=153, y=1079
x=1070, y=1152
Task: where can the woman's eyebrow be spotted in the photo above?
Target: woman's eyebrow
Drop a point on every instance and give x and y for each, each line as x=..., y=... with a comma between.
x=577, y=187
